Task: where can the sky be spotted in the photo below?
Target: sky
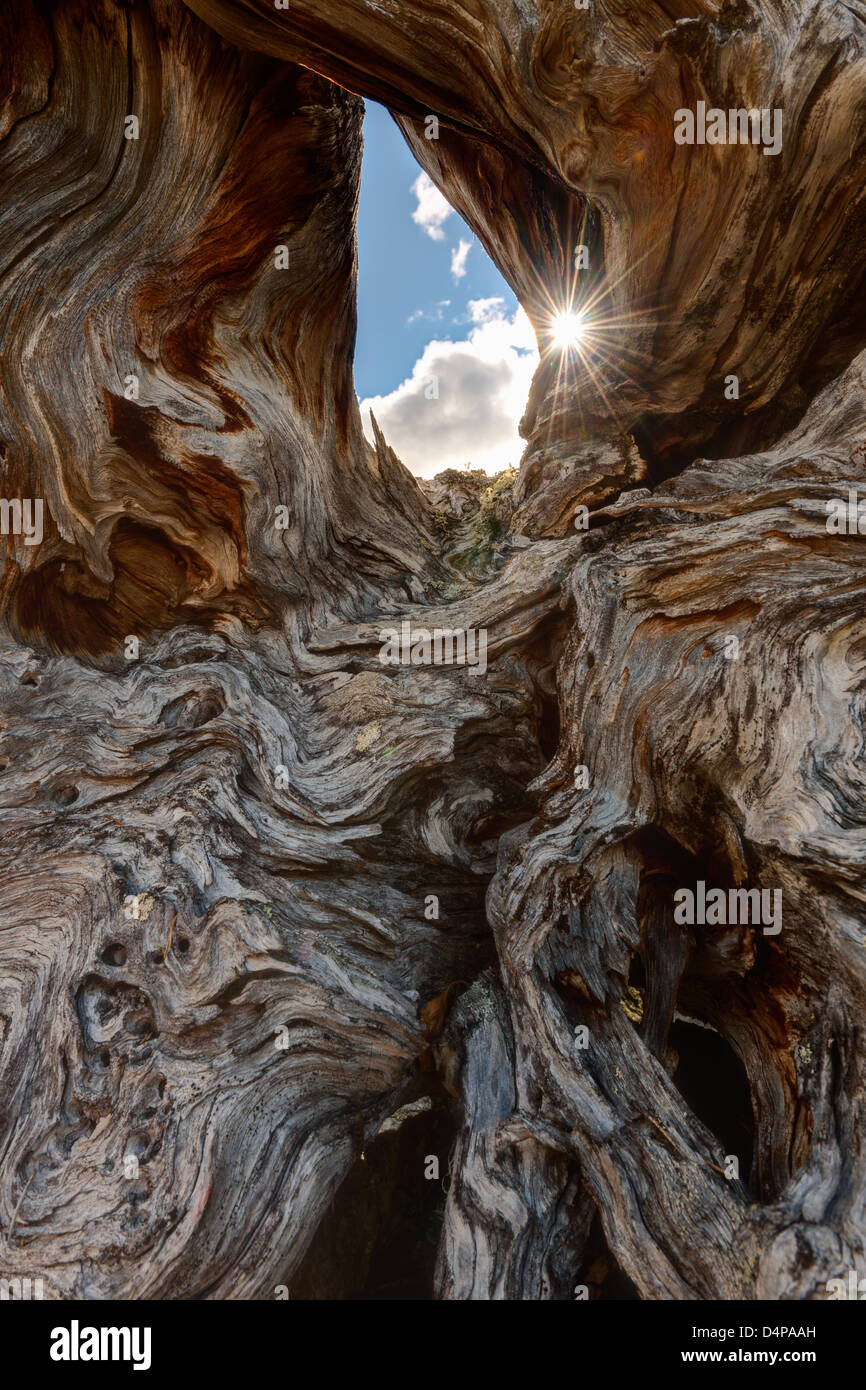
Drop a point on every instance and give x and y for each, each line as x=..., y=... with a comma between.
x=434, y=314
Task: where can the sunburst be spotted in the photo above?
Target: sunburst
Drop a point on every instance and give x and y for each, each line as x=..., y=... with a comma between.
x=592, y=345
x=567, y=330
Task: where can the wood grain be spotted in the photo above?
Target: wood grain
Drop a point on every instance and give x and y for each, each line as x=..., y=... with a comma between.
x=218, y=855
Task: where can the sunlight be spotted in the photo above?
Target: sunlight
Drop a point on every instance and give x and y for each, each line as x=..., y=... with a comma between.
x=567, y=330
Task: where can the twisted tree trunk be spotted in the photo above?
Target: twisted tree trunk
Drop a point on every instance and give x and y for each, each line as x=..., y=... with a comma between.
x=247, y=866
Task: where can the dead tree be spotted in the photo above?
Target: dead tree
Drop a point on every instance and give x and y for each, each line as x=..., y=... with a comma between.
x=241, y=854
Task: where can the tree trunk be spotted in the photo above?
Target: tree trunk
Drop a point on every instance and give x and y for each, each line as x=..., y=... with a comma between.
x=289, y=931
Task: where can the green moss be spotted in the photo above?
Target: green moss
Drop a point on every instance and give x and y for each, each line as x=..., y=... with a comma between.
x=482, y=536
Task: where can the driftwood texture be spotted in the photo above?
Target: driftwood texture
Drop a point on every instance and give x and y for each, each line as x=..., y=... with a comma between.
x=231, y=841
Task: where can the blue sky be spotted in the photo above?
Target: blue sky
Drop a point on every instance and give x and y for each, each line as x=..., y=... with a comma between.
x=432, y=305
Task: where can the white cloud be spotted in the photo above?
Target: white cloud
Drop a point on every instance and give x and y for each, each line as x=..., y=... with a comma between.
x=458, y=258
x=483, y=384
x=484, y=310
x=432, y=209
x=434, y=315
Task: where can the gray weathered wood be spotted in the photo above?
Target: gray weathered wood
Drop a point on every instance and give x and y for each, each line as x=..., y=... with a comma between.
x=217, y=856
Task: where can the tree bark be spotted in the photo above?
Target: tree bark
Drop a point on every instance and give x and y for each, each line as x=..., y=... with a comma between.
x=247, y=867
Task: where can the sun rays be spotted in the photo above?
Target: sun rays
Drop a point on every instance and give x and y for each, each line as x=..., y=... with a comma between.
x=595, y=348
x=566, y=330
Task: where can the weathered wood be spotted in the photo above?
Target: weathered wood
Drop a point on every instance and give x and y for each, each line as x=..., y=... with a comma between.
x=238, y=860
x=556, y=128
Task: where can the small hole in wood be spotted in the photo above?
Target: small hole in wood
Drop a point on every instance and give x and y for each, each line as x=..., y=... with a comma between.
x=65, y=795
x=114, y=953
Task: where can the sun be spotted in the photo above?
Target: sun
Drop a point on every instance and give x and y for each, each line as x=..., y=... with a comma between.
x=566, y=330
